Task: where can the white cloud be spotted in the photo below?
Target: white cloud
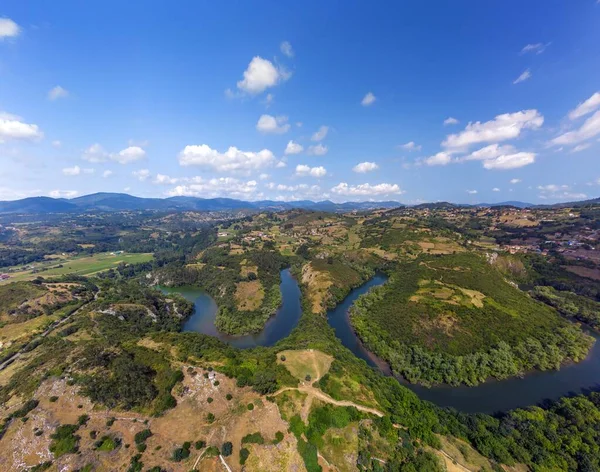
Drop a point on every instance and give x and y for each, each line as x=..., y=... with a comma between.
x=286, y=48
x=63, y=193
x=472, y=192
x=368, y=99
x=495, y=189
x=523, y=77
x=107, y=173
x=11, y=127
x=269, y=99
x=365, y=167
x=305, y=171
x=589, y=129
x=71, y=171
x=585, y=107
x=56, y=143
x=364, y=190
x=88, y=171
x=263, y=176
x=260, y=75
x=95, y=154
x=510, y=161
x=536, y=48
x=129, y=155
x=559, y=193
x=141, y=174
x=233, y=160
x=411, y=146
x=57, y=92
x=317, y=150
x=490, y=152
x=440, y=159
x=501, y=128
x=450, y=121
x=273, y=124
x=217, y=187
x=515, y=181
x=280, y=165
x=320, y=134
x=8, y=28
x=162, y=179
x=293, y=148
x=581, y=147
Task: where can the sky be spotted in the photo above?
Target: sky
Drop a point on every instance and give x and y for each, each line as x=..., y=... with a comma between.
x=463, y=101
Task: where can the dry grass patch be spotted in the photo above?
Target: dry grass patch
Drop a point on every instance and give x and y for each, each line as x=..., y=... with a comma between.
x=247, y=269
x=249, y=295
x=306, y=362
x=318, y=284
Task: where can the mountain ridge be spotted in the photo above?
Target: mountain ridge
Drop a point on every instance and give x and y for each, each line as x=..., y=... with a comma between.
x=108, y=201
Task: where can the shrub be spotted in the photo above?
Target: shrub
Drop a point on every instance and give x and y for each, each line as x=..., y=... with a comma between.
x=282, y=358
x=209, y=400
x=210, y=418
x=307, y=378
x=64, y=440
x=254, y=438
x=251, y=406
x=53, y=398
x=244, y=453
x=200, y=444
x=82, y=420
x=278, y=437
x=216, y=383
x=229, y=396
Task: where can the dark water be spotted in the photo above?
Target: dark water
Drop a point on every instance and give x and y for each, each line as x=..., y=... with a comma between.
x=490, y=397
x=277, y=327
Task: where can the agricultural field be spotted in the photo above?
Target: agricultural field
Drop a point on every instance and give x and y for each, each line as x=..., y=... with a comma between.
x=82, y=265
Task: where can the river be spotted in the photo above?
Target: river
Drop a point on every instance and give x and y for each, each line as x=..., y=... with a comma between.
x=490, y=397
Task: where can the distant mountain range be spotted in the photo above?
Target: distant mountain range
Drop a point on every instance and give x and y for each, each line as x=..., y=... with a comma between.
x=123, y=201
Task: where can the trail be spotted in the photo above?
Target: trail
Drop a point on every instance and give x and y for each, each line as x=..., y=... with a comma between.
x=454, y=461
x=225, y=463
x=315, y=392
x=48, y=330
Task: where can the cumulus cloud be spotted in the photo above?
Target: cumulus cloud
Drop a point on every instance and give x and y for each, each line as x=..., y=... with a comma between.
x=286, y=49
x=142, y=174
x=233, y=160
x=559, y=193
x=472, y=192
x=495, y=189
x=510, y=161
x=306, y=171
x=268, y=124
x=536, y=48
x=216, y=187
x=589, y=129
x=12, y=127
x=8, y=28
x=56, y=143
x=63, y=193
x=368, y=99
x=523, y=77
x=501, y=128
x=450, y=121
x=107, y=173
x=365, y=190
x=71, y=171
x=162, y=179
x=515, y=181
x=440, y=159
x=57, y=92
x=260, y=75
x=320, y=134
x=365, y=167
x=317, y=150
x=586, y=107
x=95, y=154
x=128, y=155
x=411, y=146
x=293, y=148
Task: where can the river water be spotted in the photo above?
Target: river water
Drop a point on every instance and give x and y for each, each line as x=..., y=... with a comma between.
x=490, y=397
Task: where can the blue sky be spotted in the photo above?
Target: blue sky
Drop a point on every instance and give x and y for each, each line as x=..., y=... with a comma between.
x=465, y=101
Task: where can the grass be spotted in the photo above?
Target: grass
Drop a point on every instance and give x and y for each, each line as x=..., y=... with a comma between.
x=249, y=295
x=85, y=266
x=309, y=361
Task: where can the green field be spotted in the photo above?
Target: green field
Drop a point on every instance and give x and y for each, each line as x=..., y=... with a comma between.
x=87, y=265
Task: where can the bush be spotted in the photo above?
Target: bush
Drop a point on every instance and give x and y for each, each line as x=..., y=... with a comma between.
x=210, y=418
x=250, y=406
x=209, y=400
x=200, y=444
x=229, y=396
x=141, y=436
x=82, y=420
x=278, y=437
x=64, y=440
x=53, y=398
x=226, y=449
x=254, y=438
x=244, y=454
x=282, y=358
x=181, y=453
x=307, y=378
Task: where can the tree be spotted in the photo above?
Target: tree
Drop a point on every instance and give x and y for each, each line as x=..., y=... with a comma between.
x=226, y=449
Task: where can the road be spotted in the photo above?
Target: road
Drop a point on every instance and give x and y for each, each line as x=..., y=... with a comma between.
x=315, y=392
x=48, y=330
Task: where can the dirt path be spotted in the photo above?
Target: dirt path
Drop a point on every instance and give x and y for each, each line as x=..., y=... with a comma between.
x=225, y=463
x=50, y=328
x=315, y=392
